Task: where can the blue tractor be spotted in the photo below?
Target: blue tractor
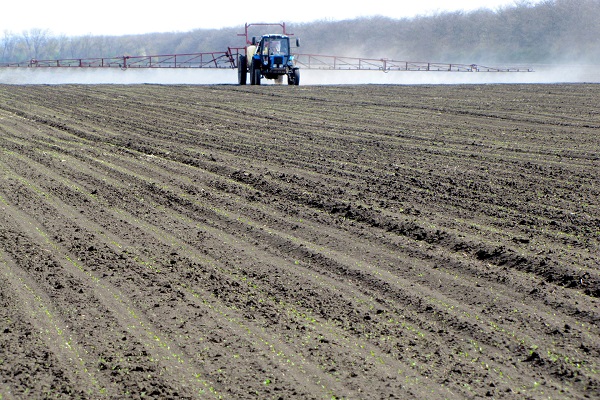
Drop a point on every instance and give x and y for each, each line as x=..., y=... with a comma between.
x=269, y=58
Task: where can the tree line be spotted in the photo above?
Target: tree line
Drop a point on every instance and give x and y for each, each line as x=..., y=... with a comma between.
x=551, y=31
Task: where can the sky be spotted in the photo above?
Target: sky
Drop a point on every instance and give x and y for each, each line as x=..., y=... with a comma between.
x=120, y=17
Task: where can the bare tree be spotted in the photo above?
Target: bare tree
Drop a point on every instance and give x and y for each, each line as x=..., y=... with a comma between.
x=9, y=43
x=35, y=39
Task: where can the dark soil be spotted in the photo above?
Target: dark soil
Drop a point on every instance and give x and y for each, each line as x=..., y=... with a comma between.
x=300, y=242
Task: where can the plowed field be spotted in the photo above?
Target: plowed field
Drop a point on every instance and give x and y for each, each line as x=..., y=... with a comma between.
x=360, y=242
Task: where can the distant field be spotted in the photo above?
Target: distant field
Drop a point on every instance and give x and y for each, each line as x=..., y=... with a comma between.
x=300, y=242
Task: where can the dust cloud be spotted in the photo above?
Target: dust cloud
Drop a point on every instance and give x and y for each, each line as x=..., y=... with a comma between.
x=93, y=76
x=542, y=73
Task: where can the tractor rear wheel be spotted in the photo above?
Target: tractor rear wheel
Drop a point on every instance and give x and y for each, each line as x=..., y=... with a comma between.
x=242, y=70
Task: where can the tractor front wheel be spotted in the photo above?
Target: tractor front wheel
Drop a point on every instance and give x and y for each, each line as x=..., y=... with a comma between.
x=294, y=77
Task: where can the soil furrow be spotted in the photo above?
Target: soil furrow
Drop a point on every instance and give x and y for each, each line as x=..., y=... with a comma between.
x=309, y=242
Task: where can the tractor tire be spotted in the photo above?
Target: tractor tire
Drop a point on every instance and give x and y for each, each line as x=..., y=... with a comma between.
x=257, y=75
x=252, y=74
x=294, y=77
x=242, y=70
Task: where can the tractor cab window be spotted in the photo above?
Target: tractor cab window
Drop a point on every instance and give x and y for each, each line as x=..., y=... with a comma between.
x=284, y=47
x=265, y=47
x=279, y=46
x=275, y=46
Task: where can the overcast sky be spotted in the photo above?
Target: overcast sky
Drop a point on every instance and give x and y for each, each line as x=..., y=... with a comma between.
x=118, y=17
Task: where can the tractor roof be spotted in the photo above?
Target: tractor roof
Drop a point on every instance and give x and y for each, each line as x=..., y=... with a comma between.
x=275, y=36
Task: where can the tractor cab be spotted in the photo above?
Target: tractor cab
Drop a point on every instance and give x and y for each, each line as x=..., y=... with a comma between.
x=273, y=52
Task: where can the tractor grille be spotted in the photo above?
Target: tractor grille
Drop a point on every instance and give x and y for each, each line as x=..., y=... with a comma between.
x=278, y=60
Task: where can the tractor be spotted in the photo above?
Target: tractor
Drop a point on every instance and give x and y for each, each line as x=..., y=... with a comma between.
x=268, y=58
